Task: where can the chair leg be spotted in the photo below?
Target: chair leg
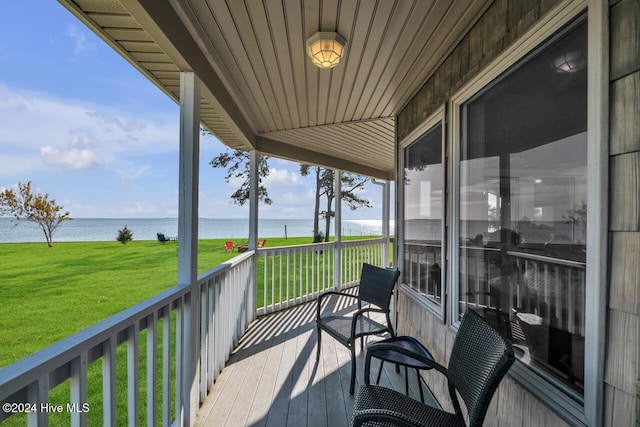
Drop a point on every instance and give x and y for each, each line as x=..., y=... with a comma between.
x=420, y=385
x=353, y=368
x=319, y=342
x=406, y=381
x=379, y=372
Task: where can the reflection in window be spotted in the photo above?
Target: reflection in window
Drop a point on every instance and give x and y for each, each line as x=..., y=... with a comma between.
x=423, y=209
x=522, y=211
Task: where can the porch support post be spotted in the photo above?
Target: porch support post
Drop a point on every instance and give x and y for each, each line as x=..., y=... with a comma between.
x=188, y=241
x=337, y=224
x=254, y=157
x=386, y=206
x=598, y=278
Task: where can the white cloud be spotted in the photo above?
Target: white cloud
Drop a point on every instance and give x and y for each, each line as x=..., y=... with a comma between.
x=73, y=159
x=32, y=121
x=282, y=177
x=127, y=175
x=119, y=122
x=81, y=43
x=82, y=138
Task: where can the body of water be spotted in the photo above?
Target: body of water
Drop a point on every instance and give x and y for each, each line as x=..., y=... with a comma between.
x=106, y=229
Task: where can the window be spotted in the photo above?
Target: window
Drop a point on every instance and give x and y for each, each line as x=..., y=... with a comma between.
x=521, y=208
x=423, y=178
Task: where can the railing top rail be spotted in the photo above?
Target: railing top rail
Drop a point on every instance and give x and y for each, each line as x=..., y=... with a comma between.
x=25, y=371
x=225, y=266
x=360, y=242
x=527, y=255
x=322, y=245
x=548, y=259
x=423, y=244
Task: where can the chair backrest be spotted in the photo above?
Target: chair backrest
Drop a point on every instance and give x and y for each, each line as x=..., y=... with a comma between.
x=161, y=237
x=480, y=358
x=228, y=244
x=376, y=285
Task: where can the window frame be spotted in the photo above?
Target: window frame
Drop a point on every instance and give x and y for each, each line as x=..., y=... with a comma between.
x=438, y=117
x=591, y=412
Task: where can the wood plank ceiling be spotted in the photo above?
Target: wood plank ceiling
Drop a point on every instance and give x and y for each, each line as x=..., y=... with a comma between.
x=260, y=90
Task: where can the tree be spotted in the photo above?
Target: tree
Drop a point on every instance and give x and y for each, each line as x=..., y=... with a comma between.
x=578, y=218
x=124, y=235
x=304, y=171
x=325, y=187
x=239, y=167
x=32, y=207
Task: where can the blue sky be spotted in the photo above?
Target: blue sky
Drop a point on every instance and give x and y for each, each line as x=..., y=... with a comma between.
x=84, y=126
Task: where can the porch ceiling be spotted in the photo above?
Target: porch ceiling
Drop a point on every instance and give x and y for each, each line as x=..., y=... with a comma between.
x=259, y=88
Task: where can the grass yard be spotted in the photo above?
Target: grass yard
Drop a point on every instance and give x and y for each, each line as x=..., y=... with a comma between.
x=48, y=294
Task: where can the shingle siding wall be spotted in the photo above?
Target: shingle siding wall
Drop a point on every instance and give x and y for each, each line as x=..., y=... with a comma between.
x=503, y=22
x=622, y=399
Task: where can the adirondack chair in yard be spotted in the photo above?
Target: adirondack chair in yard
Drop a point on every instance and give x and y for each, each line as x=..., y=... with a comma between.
x=162, y=238
x=229, y=246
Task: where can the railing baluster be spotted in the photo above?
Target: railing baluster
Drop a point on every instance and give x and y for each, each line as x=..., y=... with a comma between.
x=478, y=259
x=109, y=400
x=559, y=296
x=152, y=370
x=78, y=390
x=179, y=414
x=204, y=341
x=132, y=374
x=37, y=394
x=265, y=282
x=287, y=272
x=211, y=374
x=571, y=327
x=166, y=366
x=217, y=325
x=273, y=280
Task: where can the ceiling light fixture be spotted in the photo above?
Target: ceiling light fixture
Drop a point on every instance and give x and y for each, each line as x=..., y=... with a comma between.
x=569, y=62
x=326, y=48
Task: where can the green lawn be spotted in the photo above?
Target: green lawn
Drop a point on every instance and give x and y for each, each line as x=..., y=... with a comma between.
x=51, y=293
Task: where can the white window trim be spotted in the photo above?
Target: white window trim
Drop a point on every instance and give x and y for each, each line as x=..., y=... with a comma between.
x=437, y=117
x=597, y=134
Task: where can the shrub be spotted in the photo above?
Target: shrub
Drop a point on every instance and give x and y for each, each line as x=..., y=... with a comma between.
x=124, y=235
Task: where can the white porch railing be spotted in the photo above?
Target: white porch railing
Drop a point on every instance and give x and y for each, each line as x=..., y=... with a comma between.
x=292, y=275
x=147, y=342
x=153, y=331
x=533, y=281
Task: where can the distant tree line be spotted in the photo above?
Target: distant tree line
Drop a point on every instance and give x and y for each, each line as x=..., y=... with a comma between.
x=237, y=164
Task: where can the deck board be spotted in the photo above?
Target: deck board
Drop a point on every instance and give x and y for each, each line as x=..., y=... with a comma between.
x=272, y=378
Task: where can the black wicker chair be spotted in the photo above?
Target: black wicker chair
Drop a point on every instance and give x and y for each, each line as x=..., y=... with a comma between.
x=375, y=289
x=480, y=358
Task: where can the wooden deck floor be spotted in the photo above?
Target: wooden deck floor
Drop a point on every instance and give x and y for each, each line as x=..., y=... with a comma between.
x=272, y=378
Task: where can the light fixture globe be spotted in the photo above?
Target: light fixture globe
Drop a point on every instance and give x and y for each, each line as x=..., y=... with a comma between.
x=570, y=62
x=325, y=48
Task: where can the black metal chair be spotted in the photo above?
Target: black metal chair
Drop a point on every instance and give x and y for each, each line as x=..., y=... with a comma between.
x=375, y=289
x=162, y=238
x=386, y=351
x=480, y=358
